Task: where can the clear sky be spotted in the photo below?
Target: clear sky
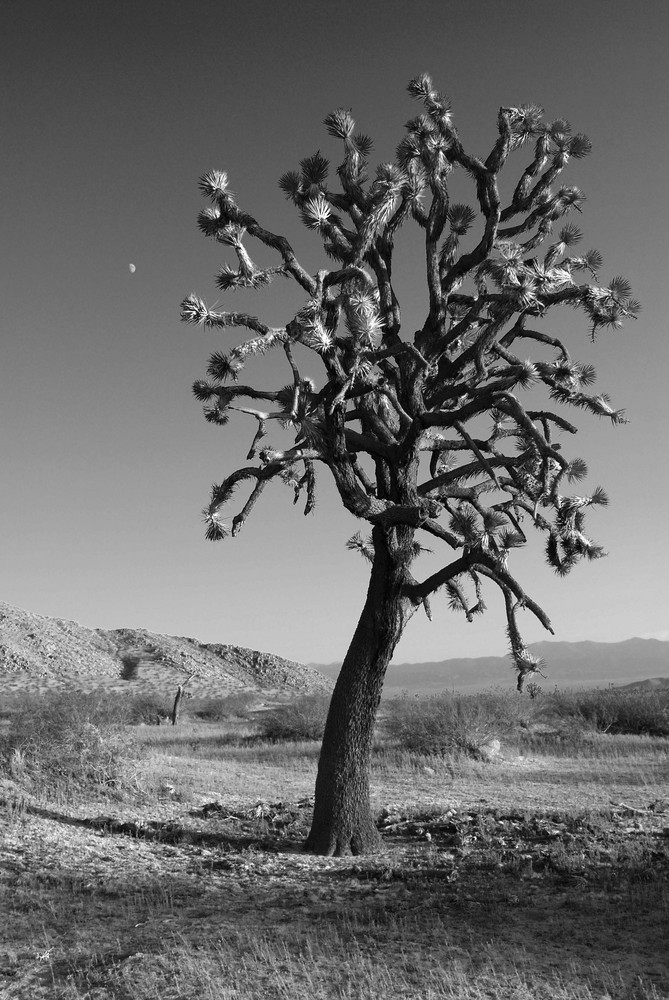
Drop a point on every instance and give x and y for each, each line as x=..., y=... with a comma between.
x=110, y=112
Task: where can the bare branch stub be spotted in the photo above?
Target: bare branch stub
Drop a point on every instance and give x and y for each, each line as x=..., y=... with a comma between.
x=425, y=431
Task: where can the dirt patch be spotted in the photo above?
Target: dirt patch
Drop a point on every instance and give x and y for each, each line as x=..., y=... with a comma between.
x=537, y=893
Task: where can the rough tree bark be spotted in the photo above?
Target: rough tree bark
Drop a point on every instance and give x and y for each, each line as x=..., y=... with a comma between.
x=342, y=822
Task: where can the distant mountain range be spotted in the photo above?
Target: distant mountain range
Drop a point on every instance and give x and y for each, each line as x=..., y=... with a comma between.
x=650, y=684
x=568, y=664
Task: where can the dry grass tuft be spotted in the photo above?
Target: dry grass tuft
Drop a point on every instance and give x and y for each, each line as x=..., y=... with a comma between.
x=541, y=873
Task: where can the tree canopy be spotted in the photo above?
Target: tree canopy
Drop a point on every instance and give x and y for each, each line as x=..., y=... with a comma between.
x=425, y=430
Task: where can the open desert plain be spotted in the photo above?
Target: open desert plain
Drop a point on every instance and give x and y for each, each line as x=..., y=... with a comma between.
x=525, y=849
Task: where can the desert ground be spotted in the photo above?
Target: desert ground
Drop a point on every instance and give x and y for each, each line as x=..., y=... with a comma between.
x=539, y=870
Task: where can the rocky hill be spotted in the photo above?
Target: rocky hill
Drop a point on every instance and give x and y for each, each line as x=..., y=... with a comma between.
x=39, y=653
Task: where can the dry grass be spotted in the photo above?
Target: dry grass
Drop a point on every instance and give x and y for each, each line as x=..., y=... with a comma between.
x=535, y=875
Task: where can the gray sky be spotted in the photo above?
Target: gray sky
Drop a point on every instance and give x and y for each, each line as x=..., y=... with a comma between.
x=111, y=111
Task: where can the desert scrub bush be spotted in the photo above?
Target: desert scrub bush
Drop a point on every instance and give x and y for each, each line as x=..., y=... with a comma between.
x=615, y=710
x=302, y=719
x=147, y=709
x=69, y=738
x=232, y=706
x=445, y=725
x=507, y=710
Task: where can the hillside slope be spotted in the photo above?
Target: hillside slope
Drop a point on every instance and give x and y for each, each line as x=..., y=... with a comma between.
x=40, y=653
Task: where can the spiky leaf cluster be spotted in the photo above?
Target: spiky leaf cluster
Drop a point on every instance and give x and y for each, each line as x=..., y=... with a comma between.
x=398, y=413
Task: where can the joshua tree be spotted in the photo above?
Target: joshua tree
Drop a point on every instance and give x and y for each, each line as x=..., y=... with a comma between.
x=426, y=435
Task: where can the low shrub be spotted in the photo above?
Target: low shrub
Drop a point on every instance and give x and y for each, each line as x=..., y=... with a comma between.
x=232, y=706
x=147, y=709
x=507, y=710
x=617, y=711
x=69, y=738
x=302, y=719
x=447, y=725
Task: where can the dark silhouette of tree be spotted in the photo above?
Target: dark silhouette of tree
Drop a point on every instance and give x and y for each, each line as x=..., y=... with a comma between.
x=425, y=434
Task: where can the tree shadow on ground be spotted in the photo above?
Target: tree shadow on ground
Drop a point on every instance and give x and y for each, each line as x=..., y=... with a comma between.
x=535, y=891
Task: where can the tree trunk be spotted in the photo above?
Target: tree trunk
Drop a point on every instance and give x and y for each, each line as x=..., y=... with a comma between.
x=177, y=700
x=342, y=822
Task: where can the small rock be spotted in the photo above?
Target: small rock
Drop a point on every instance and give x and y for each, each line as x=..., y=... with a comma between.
x=392, y=819
x=491, y=749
